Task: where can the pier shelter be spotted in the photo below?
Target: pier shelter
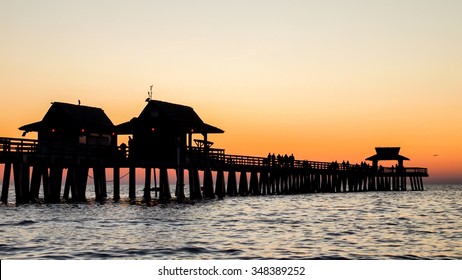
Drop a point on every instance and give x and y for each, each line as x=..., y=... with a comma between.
x=387, y=153
x=395, y=177
x=163, y=132
x=68, y=125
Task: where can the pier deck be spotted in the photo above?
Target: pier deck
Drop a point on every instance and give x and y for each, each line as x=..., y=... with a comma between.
x=35, y=165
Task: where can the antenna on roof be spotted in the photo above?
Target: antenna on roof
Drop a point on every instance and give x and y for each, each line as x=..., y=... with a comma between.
x=149, y=94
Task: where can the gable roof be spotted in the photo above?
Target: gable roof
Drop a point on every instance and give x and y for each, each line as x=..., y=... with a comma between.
x=72, y=116
x=157, y=112
x=387, y=153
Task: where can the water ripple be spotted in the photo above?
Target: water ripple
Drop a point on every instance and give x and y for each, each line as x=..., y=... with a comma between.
x=366, y=225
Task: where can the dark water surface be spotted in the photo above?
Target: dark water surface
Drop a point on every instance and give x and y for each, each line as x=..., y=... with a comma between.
x=370, y=225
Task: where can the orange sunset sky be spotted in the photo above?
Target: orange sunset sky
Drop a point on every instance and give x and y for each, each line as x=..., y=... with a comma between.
x=324, y=80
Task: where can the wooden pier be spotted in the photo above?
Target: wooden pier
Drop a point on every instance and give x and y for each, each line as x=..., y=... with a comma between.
x=81, y=146
x=33, y=169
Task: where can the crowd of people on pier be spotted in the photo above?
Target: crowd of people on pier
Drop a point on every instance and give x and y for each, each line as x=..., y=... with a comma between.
x=364, y=166
x=280, y=161
x=289, y=161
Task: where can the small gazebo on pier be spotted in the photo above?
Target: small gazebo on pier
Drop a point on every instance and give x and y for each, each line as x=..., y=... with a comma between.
x=387, y=153
x=395, y=177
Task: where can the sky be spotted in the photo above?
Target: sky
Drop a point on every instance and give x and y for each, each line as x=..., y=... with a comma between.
x=323, y=80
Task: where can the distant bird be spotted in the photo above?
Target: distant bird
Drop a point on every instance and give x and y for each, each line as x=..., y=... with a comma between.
x=435, y=155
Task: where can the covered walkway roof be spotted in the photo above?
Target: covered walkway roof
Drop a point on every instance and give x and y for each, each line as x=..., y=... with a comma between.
x=387, y=153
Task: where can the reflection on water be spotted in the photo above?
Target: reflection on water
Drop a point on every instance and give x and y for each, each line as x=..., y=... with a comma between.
x=373, y=225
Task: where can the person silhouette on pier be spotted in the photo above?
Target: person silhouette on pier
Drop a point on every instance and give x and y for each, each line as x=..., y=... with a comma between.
x=286, y=160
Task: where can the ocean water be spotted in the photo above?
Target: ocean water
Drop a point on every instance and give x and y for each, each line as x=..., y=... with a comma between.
x=365, y=225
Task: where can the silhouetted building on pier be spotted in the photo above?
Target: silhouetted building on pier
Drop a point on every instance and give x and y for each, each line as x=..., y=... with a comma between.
x=69, y=125
x=162, y=130
x=387, y=153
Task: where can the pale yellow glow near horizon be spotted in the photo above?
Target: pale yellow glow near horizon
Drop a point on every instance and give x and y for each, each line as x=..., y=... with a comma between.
x=324, y=80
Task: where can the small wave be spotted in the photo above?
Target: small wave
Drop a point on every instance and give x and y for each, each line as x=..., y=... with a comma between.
x=331, y=257
x=26, y=223
x=21, y=223
x=407, y=257
x=194, y=250
x=232, y=251
x=99, y=255
x=341, y=233
x=56, y=257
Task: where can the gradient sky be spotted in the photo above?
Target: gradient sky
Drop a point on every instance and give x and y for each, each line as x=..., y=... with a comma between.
x=324, y=80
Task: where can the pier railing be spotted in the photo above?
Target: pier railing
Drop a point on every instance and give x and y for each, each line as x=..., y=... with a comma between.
x=407, y=170
x=217, y=156
x=195, y=154
x=18, y=145
x=78, y=150
x=10, y=146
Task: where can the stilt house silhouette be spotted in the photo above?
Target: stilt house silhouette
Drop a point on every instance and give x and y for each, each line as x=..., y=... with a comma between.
x=70, y=125
x=163, y=132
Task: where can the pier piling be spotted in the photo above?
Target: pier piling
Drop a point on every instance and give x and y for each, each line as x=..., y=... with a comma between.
x=6, y=182
x=164, y=193
x=220, y=190
x=116, y=182
x=232, y=183
x=132, y=183
x=147, y=185
x=243, y=186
